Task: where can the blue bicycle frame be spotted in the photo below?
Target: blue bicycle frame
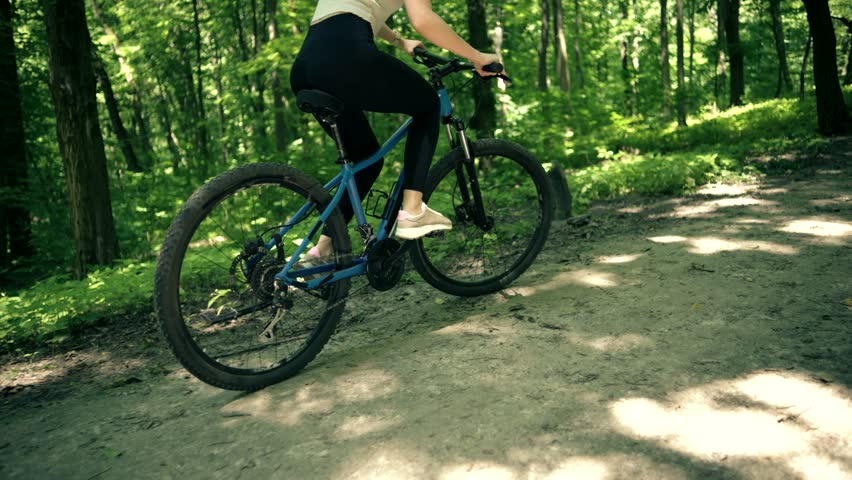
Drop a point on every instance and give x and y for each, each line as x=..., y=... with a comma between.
x=345, y=184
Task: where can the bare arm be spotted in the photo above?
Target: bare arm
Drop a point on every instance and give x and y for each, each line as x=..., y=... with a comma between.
x=394, y=38
x=436, y=30
x=390, y=36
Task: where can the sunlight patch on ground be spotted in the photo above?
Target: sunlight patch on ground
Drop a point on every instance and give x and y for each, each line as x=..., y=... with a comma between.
x=713, y=205
x=631, y=210
x=384, y=463
x=774, y=191
x=830, y=202
x=816, y=467
x=752, y=221
x=819, y=228
x=619, y=258
x=289, y=411
x=365, y=385
x=359, y=425
x=314, y=399
x=723, y=190
x=578, y=468
x=811, y=402
x=18, y=376
x=668, y=239
x=789, y=419
x=476, y=325
x=478, y=471
x=613, y=342
x=711, y=245
x=585, y=278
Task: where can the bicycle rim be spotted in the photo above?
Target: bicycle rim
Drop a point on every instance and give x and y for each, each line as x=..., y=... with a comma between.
x=472, y=258
x=225, y=327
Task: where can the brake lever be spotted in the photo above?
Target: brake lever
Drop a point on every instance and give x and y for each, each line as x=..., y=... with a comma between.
x=496, y=68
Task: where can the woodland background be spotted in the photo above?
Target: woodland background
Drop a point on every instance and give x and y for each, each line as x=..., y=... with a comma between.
x=115, y=111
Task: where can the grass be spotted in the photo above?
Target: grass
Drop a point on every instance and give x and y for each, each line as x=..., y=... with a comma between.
x=619, y=159
x=652, y=159
x=55, y=308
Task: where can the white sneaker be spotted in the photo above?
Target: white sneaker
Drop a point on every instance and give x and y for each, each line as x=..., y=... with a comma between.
x=410, y=227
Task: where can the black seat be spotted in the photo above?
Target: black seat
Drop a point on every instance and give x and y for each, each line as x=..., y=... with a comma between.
x=319, y=103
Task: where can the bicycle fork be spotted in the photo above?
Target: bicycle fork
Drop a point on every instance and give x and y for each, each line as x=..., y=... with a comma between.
x=472, y=207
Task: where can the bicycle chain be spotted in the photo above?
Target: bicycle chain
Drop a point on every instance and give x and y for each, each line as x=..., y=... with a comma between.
x=351, y=291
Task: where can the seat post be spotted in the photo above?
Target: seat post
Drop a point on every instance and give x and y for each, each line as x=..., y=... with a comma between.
x=335, y=131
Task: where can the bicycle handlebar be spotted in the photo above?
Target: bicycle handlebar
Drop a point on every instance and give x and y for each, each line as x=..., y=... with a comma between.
x=455, y=65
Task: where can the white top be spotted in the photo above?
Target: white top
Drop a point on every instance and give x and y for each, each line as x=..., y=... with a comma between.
x=376, y=12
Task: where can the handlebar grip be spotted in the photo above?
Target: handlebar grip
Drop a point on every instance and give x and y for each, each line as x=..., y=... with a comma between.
x=495, y=67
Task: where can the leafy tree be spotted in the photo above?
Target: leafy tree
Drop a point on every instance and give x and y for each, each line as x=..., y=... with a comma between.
x=15, y=233
x=832, y=115
x=72, y=85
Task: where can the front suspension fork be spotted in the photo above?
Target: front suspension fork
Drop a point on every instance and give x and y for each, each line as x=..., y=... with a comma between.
x=468, y=181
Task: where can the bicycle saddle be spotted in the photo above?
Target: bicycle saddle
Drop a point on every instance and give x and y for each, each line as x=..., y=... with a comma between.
x=319, y=103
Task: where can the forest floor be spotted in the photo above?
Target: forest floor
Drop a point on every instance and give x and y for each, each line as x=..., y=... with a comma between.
x=706, y=336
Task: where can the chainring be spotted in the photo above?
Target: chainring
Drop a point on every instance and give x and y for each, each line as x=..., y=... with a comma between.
x=384, y=270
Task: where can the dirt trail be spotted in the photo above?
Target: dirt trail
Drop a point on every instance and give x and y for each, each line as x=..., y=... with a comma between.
x=700, y=337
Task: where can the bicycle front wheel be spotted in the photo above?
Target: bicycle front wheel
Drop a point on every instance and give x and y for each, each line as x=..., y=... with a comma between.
x=483, y=255
x=215, y=292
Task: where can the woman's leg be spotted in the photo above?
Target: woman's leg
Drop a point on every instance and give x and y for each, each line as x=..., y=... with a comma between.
x=360, y=143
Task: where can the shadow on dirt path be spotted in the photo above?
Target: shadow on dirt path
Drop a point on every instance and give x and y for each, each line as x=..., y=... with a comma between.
x=708, y=336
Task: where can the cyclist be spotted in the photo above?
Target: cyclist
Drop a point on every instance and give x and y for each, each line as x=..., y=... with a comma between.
x=339, y=57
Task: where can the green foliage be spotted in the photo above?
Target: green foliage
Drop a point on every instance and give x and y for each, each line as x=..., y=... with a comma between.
x=58, y=306
x=148, y=49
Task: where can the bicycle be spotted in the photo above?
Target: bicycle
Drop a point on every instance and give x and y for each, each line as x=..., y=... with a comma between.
x=231, y=270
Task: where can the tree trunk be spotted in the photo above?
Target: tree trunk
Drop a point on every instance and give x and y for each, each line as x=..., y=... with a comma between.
x=847, y=70
x=664, y=59
x=166, y=121
x=143, y=136
x=847, y=77
x=625, y=63
x=72, y=85
x=275, y=85
x=691, y=42
x=201, y=121
x=681, y=87
x=14, y=214
x=121, y=134
x=258, y=86
x=784, y=82
x=735, y=52
x=719, y=81
x=543, y=81
x=578, y=54
x=804, y=68
x=561, y=48
x=634, y=57
x=220, y=105
x=485, y=119
x=832, y=116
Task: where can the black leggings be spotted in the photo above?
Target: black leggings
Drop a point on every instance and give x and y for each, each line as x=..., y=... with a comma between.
x=340, y=58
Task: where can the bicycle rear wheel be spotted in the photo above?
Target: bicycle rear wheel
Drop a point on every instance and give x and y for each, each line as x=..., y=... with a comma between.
x=475, y=257
x=214, y=284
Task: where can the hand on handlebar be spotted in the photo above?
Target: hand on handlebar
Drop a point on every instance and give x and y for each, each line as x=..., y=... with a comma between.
x=410, y=45
x=484, y=60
